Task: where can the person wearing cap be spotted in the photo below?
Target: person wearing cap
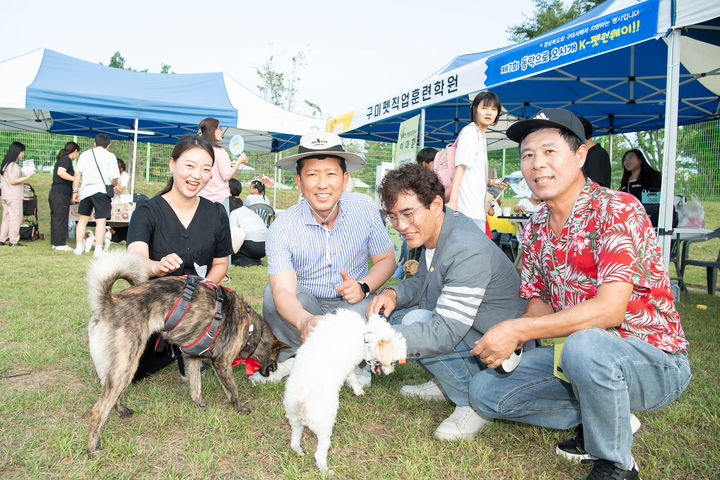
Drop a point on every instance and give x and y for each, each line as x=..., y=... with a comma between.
x=464, y=285
x=318, y=249
x=599, y=297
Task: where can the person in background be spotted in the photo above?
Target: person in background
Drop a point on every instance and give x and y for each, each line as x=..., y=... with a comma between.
x=95, y=168
x=528, y=206
x=235, y=191
x=11, y=184
x=638, y=175
x=470, y=181
x=217, y=189
x=122, y=189
x=249, y=233
x=60, y=196
x=257, y=194
x=426, y=157
x=178, y=232
x=599, y=299
x=597, y=164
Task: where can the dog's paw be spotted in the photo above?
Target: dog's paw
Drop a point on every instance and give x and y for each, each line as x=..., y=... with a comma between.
x=299, y=451
x=124, y=411
x=200, y=404
x=358, y=391
x=242, y=409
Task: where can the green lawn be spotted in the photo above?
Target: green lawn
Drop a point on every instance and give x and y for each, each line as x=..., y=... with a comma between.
x=48, y=386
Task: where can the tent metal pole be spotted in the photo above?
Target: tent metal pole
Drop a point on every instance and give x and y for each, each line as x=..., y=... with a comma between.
x=275, y=179
x=147, y=163
x=422, y=128
x=134, y=158
x=667, y=192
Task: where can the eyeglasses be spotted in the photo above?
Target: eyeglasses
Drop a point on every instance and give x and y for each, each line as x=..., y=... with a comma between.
x=407, y=216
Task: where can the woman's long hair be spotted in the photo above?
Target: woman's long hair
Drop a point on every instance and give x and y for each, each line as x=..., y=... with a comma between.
x=645, y=168
x=207, y=129
x=13, y=152
x=69, y=148
x=187, y=142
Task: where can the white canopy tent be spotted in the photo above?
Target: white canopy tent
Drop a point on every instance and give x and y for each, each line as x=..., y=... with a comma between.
x=46, y=91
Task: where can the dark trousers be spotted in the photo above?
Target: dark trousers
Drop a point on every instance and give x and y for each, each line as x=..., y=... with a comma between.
x=250, y=253
x=59, y=213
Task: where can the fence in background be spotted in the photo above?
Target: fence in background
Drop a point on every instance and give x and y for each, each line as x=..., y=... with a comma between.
x=698, y=165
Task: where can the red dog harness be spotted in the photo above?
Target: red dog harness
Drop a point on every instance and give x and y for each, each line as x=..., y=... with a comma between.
x=202, y=346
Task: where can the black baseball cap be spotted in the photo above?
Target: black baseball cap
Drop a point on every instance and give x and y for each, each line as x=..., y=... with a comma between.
x=549, y=117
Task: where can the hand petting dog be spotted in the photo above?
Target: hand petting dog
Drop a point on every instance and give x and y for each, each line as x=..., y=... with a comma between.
x=168, y=264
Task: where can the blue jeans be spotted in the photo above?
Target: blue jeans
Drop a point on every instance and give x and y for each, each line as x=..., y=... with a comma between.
x=453, y=370
x=609, y=376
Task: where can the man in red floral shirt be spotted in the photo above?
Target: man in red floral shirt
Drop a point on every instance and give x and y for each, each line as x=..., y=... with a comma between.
x=600, y=300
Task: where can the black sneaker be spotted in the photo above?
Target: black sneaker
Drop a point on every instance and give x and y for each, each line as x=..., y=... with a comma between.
x=607, y=470
x=573, y=449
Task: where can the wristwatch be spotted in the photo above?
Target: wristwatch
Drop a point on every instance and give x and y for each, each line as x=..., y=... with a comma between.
x=365, y=288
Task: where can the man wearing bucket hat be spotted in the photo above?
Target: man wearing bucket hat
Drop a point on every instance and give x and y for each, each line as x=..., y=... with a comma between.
x=318, y=250
x=599, y=296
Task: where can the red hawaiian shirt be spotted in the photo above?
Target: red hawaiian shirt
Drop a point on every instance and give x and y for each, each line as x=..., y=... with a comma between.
x=608, y=238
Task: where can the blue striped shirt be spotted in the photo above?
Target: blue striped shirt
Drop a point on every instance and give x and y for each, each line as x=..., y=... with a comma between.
x=296, y=241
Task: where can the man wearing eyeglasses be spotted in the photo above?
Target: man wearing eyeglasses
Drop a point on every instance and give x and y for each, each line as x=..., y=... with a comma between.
x=318, y=250
x=464, y=285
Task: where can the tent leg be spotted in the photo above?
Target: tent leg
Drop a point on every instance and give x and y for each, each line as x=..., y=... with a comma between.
x=667, y=192
x=275, y=180
x=134, y=158
x=422, y=129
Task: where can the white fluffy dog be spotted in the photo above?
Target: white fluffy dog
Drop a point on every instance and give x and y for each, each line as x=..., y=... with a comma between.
x=322, y=364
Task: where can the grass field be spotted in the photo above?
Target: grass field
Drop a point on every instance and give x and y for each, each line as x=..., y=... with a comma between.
x=48, y=386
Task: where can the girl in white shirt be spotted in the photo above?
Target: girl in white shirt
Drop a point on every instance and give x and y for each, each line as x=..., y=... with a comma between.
x=470, y=181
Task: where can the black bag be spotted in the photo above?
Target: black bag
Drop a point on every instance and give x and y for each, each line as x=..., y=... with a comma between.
x=109, y=189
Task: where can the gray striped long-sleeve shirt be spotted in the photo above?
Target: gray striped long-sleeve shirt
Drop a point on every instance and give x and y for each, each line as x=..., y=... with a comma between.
x=470, y=286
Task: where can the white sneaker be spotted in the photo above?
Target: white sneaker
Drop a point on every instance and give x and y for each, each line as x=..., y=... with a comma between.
x=464, y=423
x=283, y=370
x=426, y=391
x=363, y=375
x=99, y=252
x=78, y=251
x=63, y=248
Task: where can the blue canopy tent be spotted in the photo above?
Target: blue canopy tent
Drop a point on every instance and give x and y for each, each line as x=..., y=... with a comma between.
x=46, y=91
x=626, y=65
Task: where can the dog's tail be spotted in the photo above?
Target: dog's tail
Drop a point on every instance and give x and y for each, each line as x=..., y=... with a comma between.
x=104, y=271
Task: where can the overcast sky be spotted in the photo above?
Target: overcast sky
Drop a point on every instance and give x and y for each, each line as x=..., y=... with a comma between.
x=356, y=52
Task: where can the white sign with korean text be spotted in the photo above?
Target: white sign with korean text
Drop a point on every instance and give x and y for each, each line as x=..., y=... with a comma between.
x=407, y=141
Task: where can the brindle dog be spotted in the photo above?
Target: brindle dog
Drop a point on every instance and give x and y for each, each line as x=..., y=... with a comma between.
x=122, y=324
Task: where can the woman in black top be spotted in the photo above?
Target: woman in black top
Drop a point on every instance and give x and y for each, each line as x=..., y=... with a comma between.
x=180, y=233
x=60, y=196
x=177, y=231
x=638, y=175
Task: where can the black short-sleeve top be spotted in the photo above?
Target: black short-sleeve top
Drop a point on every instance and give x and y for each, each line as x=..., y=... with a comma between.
x=207, y=236
x=59, y=184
